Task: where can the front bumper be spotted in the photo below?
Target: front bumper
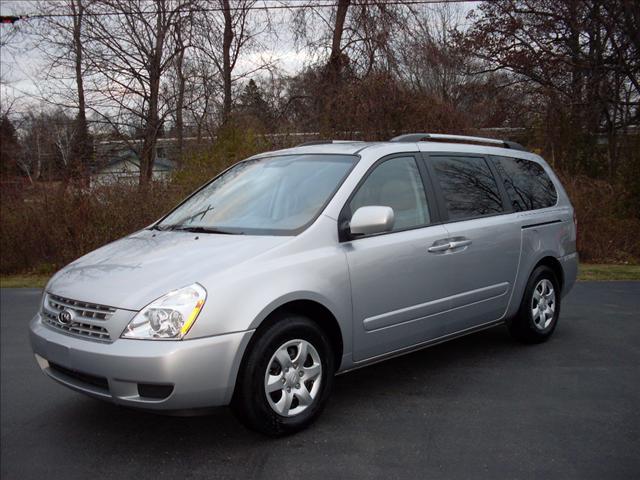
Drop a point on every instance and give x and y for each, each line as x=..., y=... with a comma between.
x=201, y=372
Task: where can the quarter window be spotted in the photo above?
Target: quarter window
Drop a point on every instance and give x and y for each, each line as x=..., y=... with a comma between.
x=395, y=183
x=468, y=186
x=527, y=184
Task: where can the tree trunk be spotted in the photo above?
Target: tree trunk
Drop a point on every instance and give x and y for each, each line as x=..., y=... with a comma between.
x=331, y=84
x=227, y=39
x=37, y=169
x=181, y=89
x=336, y=41
x=180, y=106
x=81, y=153
x=576, y=112
x=148, y=154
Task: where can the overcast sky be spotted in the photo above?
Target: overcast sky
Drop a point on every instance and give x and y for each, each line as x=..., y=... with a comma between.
x=21, y=68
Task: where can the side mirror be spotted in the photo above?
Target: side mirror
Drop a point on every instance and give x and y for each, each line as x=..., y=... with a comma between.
x=370, y=220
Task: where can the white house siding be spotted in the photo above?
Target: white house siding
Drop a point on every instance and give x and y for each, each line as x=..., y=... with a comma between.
x=125, y=173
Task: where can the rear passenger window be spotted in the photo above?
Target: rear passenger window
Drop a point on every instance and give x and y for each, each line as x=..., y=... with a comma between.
x=468, y=186
x=395, y=183
x=528, y=185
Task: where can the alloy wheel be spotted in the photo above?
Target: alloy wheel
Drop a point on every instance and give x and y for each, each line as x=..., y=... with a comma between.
x=543, y=304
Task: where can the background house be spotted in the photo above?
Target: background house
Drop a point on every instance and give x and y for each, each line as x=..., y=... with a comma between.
x=123, y=166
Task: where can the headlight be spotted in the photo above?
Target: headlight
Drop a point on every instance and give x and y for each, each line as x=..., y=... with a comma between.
x=170, y=317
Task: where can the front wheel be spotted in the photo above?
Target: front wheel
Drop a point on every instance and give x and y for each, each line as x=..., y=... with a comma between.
x=285, y=378
x=540, y=308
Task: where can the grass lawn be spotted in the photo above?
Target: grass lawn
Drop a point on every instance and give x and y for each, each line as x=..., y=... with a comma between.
x=587, y=272
x=594, y=271
x=23, y=281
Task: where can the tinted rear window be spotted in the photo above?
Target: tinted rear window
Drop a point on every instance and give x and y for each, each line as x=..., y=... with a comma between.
x=468, y=186
x=528, y=185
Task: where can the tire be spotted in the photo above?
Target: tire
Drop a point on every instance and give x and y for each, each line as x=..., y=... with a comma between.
x=308, y=387
x=529, y=327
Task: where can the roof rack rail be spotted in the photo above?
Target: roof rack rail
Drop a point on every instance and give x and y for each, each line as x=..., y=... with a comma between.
x=325, y=142
x=314, y=142
x=418, y=137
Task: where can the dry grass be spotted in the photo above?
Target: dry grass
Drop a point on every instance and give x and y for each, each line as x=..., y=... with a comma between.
x=599, y=272
x=23, y=281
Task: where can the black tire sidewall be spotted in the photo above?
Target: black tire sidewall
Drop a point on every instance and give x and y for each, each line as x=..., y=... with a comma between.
x=523, y=326
x=250, y=401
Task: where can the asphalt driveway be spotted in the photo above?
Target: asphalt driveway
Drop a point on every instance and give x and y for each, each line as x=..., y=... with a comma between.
x=478, y=407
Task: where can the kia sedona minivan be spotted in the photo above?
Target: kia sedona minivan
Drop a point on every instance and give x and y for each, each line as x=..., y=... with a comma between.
x=294, y=265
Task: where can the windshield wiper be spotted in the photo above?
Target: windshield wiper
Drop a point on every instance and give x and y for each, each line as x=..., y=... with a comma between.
x=195, y=229
x=160, y=228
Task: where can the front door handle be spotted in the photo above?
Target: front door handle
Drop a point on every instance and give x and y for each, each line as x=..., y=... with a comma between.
x=440, y=248
x=449, y=244
x=459, y=243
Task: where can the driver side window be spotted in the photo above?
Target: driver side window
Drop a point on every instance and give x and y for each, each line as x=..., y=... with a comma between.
x=395, y=183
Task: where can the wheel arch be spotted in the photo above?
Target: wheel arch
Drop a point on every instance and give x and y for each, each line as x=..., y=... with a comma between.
x=317, y=313
x=307, y=306
x=547, y=259
x=556, y=267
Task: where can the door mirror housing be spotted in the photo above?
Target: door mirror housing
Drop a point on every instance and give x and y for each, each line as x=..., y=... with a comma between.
x=370, y=220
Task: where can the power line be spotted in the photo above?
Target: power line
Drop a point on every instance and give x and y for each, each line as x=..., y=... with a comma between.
x=10, y=19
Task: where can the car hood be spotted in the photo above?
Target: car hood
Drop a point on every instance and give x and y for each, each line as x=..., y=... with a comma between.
x=132, y=272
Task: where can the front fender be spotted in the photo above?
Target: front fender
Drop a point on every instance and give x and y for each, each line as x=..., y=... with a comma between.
x=242, y=299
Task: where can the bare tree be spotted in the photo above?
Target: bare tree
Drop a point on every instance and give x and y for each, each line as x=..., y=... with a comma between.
x=202, y=93
x=9, y=148
x=357, y=35
x=131, y=47
x=581, y=61
x=48, y=142
x=59, y=35
x=82, y=146
x=177, y=81
x=224, y=35
x=429, y=57
x=355, y=40
x=180, y=83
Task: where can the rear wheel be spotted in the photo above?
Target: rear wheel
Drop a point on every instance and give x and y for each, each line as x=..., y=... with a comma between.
x=540, y=308
x=285, y=378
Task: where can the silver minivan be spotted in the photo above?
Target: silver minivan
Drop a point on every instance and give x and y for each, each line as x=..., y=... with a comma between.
x=294, y=265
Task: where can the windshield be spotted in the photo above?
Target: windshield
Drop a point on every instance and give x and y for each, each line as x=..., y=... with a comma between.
x=272, y=195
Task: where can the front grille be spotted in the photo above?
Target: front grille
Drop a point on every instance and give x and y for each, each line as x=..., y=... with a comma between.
x=90, y=311
x=80, y=311
x=82, y=378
